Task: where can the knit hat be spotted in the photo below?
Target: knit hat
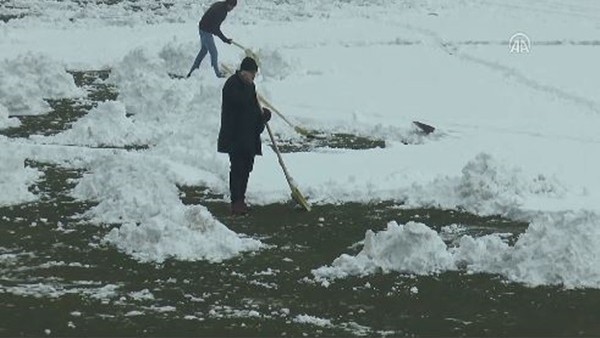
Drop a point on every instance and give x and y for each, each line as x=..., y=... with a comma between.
x=232, y=3
x=249, y=64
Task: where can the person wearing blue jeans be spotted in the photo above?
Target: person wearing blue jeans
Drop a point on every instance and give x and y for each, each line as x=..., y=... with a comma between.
x=210, y=25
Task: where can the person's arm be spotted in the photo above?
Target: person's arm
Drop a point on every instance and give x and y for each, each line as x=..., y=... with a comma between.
x=212, y=20
x=222, y=36
x=264, y=115
x=220, y=17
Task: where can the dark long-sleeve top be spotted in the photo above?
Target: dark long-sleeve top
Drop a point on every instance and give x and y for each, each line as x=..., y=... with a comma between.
x=213, y=18
x=242, y=121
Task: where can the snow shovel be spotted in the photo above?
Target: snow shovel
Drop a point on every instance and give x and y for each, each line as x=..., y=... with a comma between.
x=298, y=129
x=296, y=194
x=248, y=52
x=427, y=129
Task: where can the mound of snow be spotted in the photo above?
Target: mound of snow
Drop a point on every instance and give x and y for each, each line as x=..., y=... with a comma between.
x=5, y=121
x=29, y=79
x=15, y=177
x=556, y=249
x=486, y=187
x=105, y=125
x=412, y=248
x=155, y=223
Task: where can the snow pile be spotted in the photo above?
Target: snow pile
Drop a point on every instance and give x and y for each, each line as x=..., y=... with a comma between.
x=559, y=249
x=15, y=177
x=486, y=187
x=144, y=85
x=198, y=236
x=155, y=223
x=128, y=190
x=160, y=104
x=308, y=319
x=105, y=125
x=29, y=79
x=273, y=64
x=5, y=121
x=484, y=254
x=178, y=56
x=413, y=248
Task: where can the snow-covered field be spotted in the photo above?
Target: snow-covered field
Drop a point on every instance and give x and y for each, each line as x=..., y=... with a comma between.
x=517, y=133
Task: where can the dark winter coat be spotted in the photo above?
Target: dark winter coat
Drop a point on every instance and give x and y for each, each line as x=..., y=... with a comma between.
x=212, y=19
x=241, y=118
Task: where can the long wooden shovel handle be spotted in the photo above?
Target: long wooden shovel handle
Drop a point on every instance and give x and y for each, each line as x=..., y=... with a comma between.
x=262, y=100
x=296, y=194
x=288, y=178
x=237, y=44
x=248, y=52
x=270, y=106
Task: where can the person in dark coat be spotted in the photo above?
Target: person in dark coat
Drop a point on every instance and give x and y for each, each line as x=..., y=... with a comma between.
x=210, y=25
x=242, y=122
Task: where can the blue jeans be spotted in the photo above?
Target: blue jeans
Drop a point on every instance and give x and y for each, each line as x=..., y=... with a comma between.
x=208, y=46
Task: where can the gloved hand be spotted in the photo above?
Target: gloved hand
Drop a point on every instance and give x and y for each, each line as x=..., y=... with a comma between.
x=266, y=115
x=228, y=41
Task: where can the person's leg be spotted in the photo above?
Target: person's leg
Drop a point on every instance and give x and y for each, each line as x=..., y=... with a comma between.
x=239, y=173
x=214, y=54
x=236, y=175
x=248, y=165
x=201, y=53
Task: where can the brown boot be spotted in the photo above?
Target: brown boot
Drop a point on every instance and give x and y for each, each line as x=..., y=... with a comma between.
x=246, y=207
x=239, y=208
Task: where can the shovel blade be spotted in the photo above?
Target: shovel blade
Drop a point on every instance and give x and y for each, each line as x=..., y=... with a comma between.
x=427, y=129
x=300, y=199
x=304, y=132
